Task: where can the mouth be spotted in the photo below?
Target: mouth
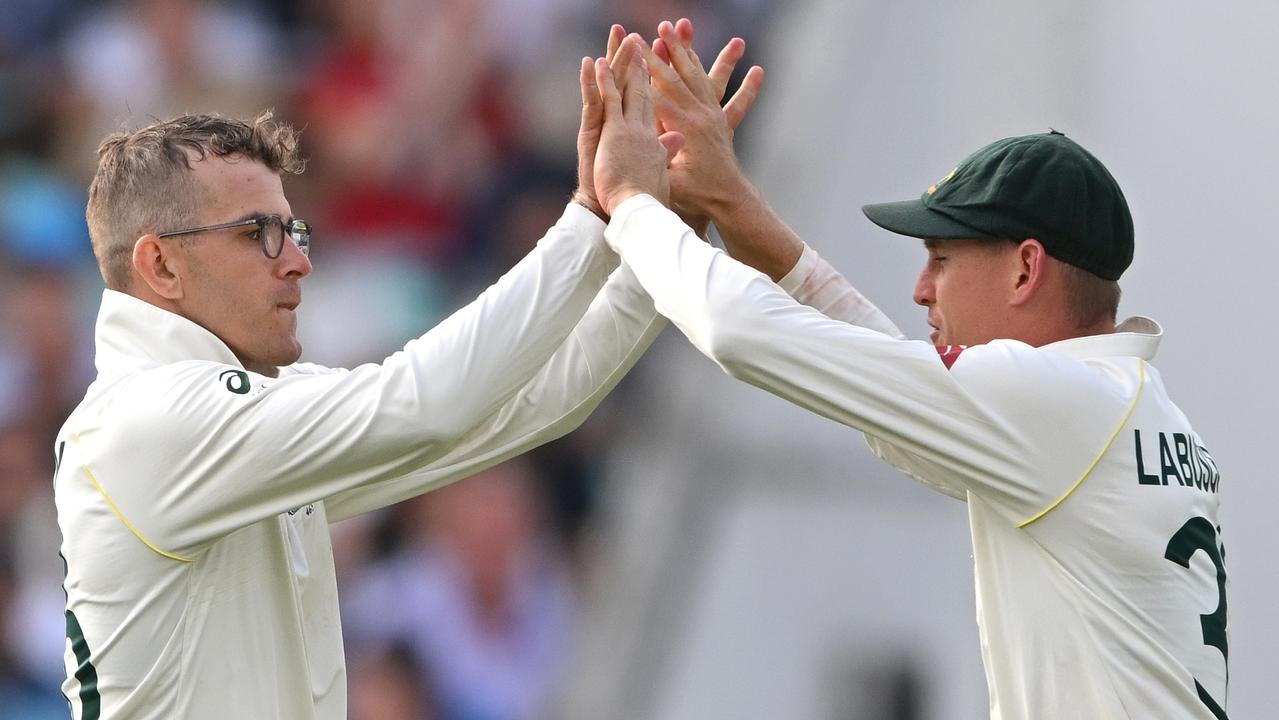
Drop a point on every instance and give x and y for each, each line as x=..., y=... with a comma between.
x=290, y=301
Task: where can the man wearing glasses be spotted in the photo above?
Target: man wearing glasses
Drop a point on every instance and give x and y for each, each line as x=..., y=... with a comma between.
x=197, y=478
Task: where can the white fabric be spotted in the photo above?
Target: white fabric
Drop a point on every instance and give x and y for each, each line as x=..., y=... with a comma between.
x=218, y=598
x=825, y=290
x=1081, y=615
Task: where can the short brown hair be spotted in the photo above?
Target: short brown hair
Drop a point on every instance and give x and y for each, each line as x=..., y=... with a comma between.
x=143, y=183
x=1090, y=299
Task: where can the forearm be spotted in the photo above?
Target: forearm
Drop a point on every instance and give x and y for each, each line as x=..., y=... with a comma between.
x=894, y=390
x=729, y=311
x=816, y=284
x=706, y=293
x=307, y=436
x=482, y=354
x=752, y=232
x=754, y=235
x=620, y=325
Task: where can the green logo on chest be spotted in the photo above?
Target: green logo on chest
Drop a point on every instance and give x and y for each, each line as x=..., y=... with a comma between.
x=237, y=381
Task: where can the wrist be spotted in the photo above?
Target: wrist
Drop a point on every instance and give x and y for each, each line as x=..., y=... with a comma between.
x=698, y=223
x=589, y=202
x=729, y=202
x=701, y=226
x=622, y=195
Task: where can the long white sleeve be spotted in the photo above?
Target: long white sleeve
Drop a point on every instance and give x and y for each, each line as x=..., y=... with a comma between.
x=619, y=326
x=190, y=450
x=959, y=429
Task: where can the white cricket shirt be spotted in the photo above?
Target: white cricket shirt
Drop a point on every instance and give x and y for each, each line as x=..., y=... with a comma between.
x=1101, y=587
x=194, y=497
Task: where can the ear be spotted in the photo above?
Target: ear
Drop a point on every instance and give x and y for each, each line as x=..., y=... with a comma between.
x=1032, y=268
x=158, y=267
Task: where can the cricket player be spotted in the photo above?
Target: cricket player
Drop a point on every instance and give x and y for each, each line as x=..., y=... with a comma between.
x=196, y=480
x=1094, y=504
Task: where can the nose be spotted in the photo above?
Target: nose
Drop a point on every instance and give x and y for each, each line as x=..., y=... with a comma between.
x=924, y=291
x=292, y=263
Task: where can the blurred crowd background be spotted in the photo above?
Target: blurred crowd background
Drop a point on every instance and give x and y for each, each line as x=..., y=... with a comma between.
x=441, y=142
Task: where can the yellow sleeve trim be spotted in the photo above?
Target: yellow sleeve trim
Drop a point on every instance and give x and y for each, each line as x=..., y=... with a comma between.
x=111, y=504
x=1140, y=386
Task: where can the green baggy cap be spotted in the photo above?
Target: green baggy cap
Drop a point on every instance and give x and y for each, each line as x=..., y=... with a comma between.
x=1042, y=186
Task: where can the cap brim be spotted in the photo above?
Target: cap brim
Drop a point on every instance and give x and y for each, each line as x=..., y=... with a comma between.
x=914, y=219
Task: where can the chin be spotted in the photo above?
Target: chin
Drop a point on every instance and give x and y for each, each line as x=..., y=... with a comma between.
x=290, y=355
x=269, y=363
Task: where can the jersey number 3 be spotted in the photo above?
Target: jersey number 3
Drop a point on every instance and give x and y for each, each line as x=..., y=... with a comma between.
x=1198, y=534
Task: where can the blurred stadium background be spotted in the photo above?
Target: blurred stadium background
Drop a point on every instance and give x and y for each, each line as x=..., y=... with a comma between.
x=698, y=549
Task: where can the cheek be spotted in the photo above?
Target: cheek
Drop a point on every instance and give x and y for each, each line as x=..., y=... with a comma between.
x=957, y=295
x=949, y=291
x=243, y=310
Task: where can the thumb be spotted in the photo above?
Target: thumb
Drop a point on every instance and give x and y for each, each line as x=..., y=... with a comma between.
x=673, y=141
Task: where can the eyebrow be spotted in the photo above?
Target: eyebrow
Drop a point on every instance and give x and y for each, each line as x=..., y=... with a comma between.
x=258, y=214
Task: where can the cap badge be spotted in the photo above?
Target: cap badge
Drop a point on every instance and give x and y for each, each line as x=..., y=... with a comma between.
x=933, y=188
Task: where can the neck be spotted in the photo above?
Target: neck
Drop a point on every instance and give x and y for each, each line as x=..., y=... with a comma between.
x=1049, y=335
x=259, y=368
x=143, y=292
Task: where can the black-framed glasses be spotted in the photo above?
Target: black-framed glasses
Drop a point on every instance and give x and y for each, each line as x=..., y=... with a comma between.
x=271, y=232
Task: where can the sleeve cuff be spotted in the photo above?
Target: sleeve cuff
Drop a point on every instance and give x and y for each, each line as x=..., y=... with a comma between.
x=798, y=274
x=578, y=220
x=622, y=213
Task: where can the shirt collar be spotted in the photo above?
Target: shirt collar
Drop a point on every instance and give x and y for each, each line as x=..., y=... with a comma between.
x=132, y=334
x=1137, y=336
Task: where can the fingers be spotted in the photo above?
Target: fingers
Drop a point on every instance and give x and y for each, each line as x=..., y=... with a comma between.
x=649, y=114
x=688, y=68
x=724, y=65
x=684, y=29
x=678, y=75
x=588, y=137
x=615, y=35
x=667, y=81
x=610, y=97
x=591, y=103
x=632, y=76
x=744, y=98
x=663, y=53
x=641, y=105
x=622, y=58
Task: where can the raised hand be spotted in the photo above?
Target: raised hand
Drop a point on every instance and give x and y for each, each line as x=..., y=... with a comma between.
x=631, y=157
x=706, y=181
x=705, y=176
x=588, y=134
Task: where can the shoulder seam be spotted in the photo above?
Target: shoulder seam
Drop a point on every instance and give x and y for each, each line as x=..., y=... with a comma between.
x=1141, y=369
x=116, y=510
